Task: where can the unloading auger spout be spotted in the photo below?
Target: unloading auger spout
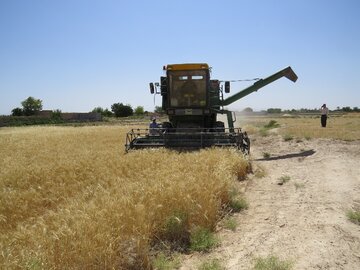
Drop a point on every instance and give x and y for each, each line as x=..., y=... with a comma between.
x=286, y=72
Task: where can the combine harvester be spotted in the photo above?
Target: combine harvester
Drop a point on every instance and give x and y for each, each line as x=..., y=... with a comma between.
x=192, y=102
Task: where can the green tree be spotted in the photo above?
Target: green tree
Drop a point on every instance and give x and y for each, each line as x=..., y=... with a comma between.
x=274, y=110
x=98, y=110
x=104, y=112
x=139, y=110
x=121, y=110
x=56, y=114
x=17, y=112
x=107, y=113
x=158, y=109
x=248, y=110
x=31, y=106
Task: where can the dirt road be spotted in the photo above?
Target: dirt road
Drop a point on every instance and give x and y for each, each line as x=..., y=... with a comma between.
x=304, y=219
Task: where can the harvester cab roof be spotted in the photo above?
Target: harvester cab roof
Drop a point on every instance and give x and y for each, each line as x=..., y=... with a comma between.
x=192, y=66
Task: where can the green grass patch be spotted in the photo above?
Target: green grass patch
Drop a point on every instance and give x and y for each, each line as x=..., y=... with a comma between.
x=214, y=264
x=238, y=204
x=236, y=201
x=284, y=179
x=233, y=192
x=299, y=185
x=288, y=137
x=163, y=262
x=354, y=216
x=272, y=263
x=272, y=124
x=266, y=155
x=202, y=239
x=175, y=232
x=264, y=132
x=230, y=223
x=34, y=264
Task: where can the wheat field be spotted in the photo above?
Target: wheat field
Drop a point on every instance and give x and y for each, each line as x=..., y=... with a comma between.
x=70, y=198
x=339, y=126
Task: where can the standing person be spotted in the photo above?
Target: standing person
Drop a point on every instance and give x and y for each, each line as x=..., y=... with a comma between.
x=153, y=128
x=324, y=115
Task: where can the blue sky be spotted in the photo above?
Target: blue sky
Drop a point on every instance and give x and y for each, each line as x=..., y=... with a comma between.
x=75, y=55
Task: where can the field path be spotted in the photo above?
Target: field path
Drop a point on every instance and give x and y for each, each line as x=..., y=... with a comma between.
x=303, y=220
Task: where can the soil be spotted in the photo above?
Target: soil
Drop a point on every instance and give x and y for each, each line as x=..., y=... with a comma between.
x=303, y=219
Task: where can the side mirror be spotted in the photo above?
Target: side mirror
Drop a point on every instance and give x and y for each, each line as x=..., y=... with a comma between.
x=227, y=87
x=152, y=88
x=163, y=85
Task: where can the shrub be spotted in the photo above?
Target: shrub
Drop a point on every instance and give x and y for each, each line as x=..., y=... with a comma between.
x=264, y=132
x=163, y=262
x=213, y=264
x=230, y=223
x=98, y=110
x=354, y=216
x=202, y=239
x=238, y=204
x=159, y=110
x=288, y=137
x=103, y=112
x=272, y=124
x=139, y=110
x=176, y=231
x=272, y=263
x=56, y=115
x=283, y=179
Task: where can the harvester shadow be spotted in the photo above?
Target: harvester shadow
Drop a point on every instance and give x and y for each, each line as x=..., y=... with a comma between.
x=294, y=155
